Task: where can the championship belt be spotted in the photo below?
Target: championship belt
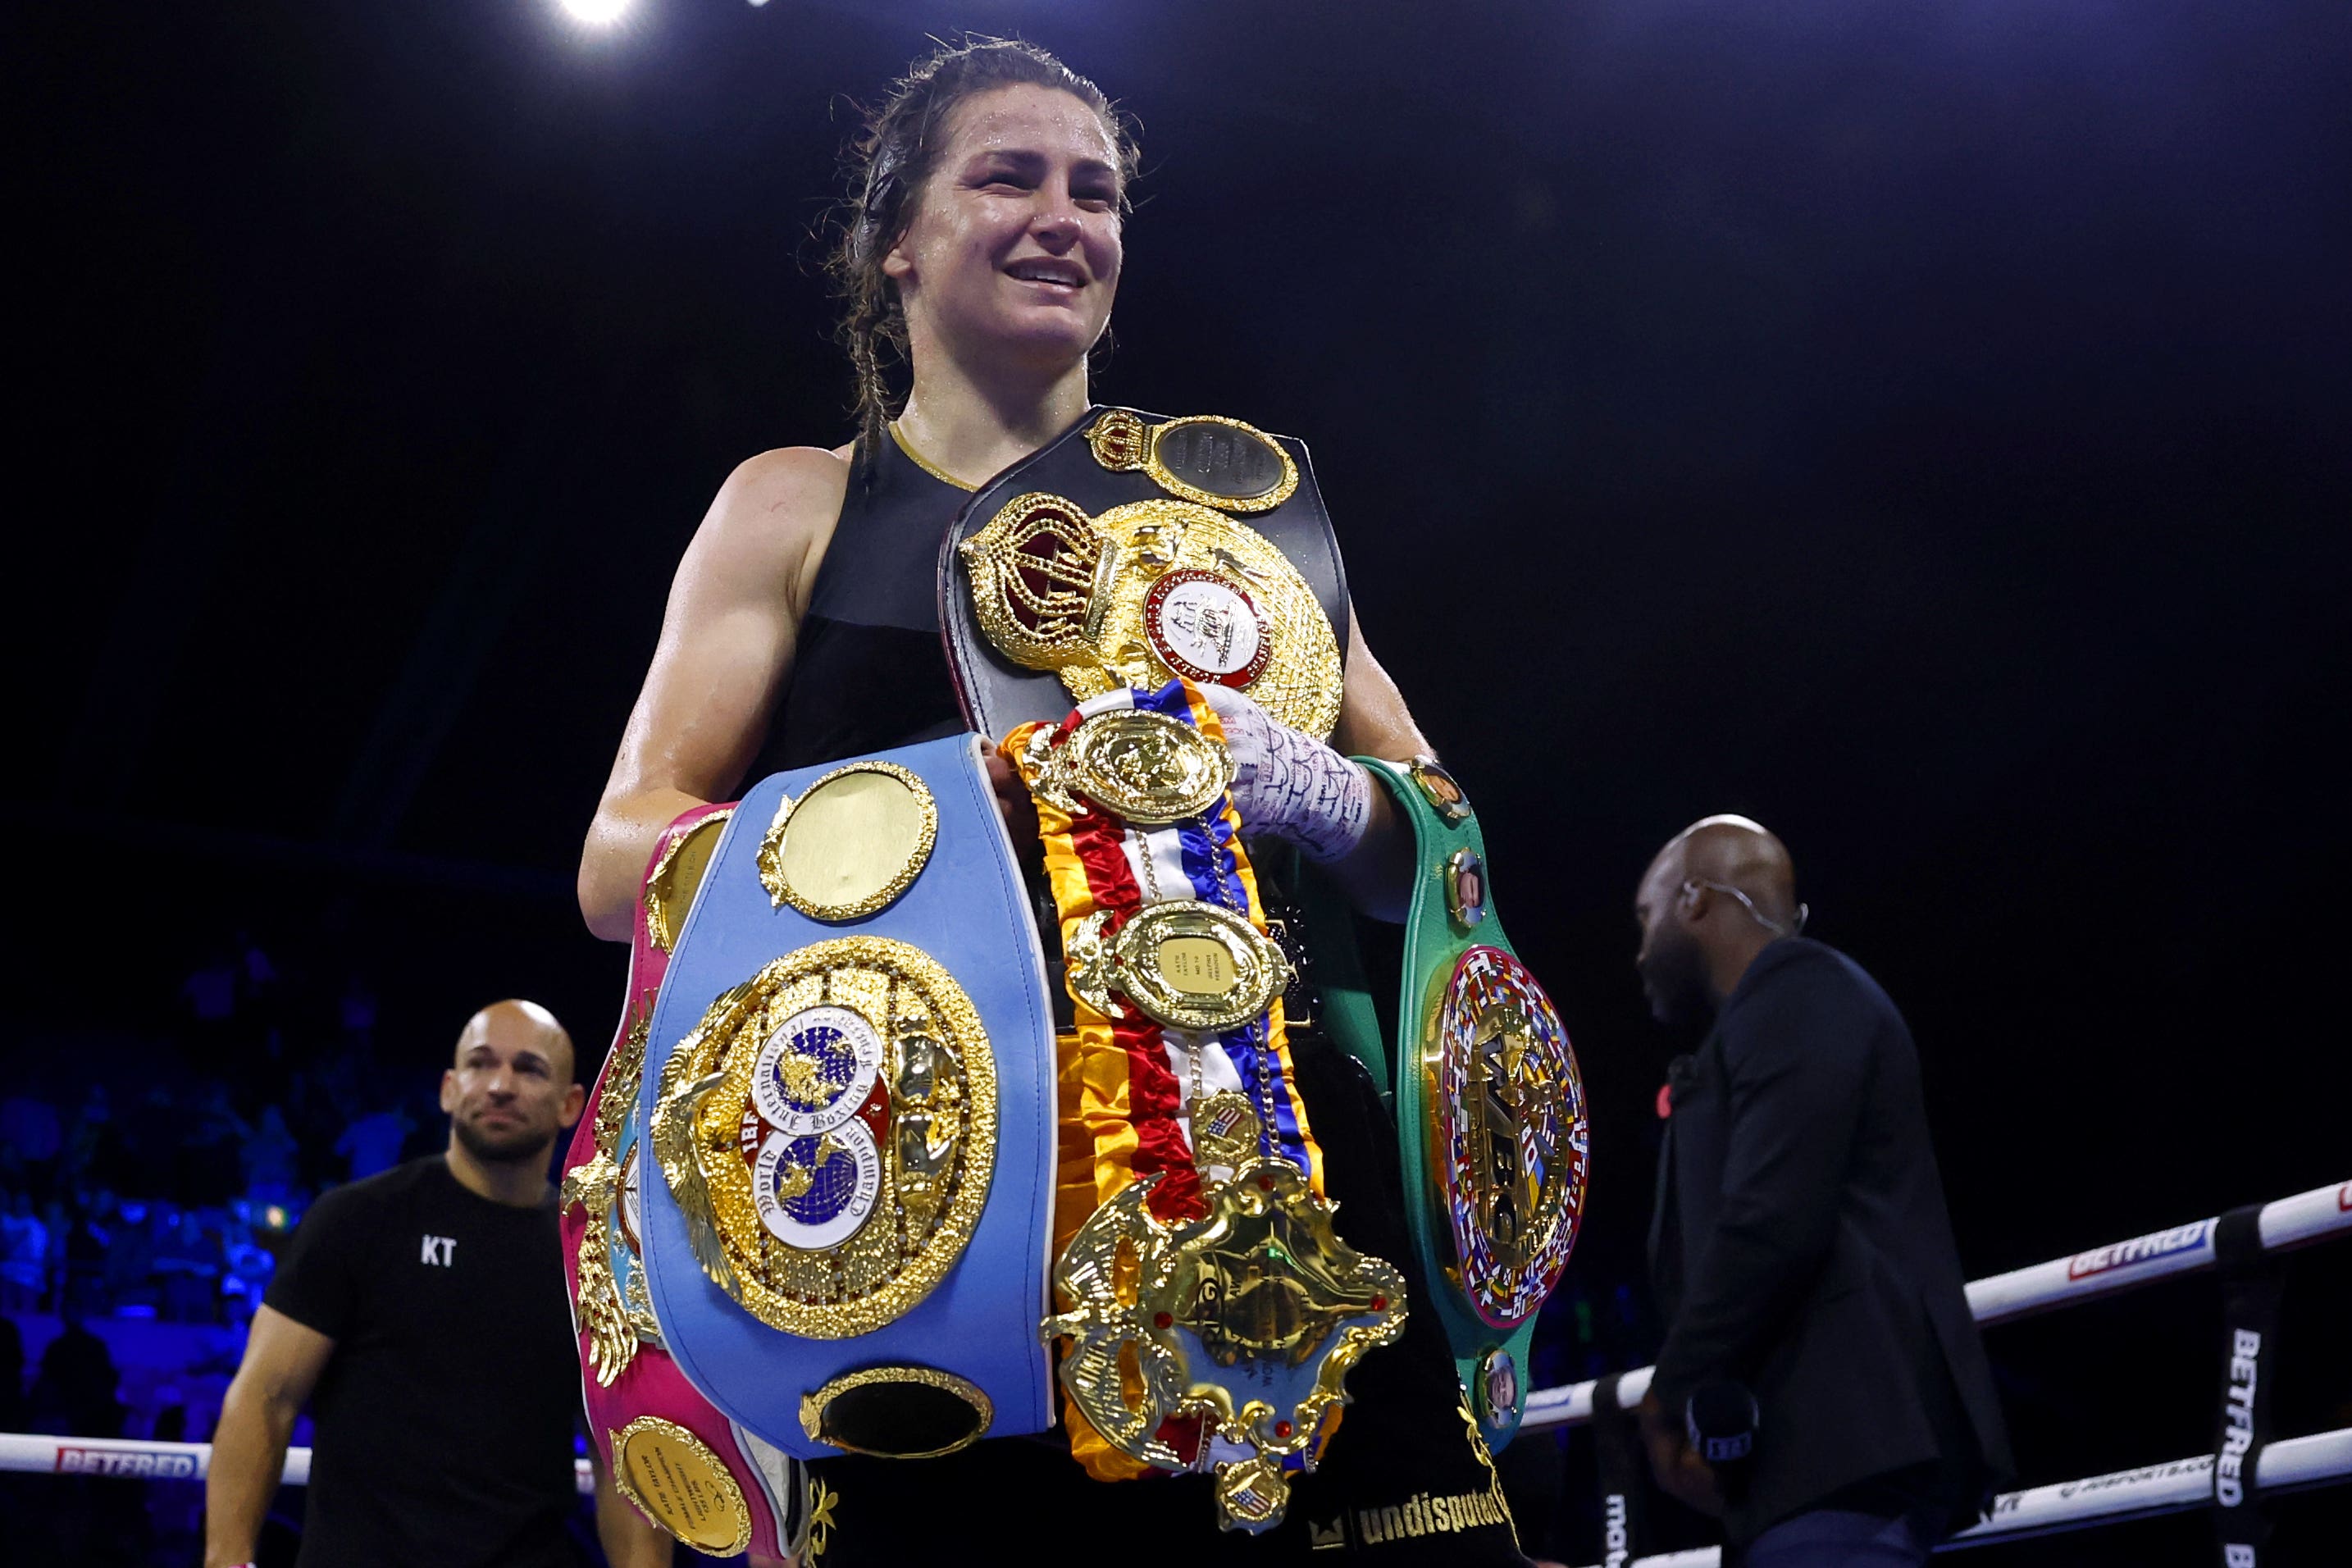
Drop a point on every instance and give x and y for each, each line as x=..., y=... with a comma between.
x=1490, y=1105
x=687, y=1467
x=1136, y=548
x=1212, y=1311
x=848, y=1093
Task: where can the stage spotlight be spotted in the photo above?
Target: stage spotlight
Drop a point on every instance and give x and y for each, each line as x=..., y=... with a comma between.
x=595, y=13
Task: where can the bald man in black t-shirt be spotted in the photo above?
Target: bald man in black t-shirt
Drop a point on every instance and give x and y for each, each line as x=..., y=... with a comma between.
x=422, y=1314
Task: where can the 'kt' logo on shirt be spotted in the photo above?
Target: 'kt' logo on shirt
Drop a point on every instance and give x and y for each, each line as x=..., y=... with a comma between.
x=437, y=1250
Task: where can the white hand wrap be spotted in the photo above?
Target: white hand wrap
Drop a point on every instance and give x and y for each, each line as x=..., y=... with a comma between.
x=1290, y=784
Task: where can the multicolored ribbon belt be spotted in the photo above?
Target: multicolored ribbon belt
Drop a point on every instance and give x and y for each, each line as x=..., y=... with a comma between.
x=691, y=1470
x=1490, y=1104
x=848, y=1089
x=1212, y=1309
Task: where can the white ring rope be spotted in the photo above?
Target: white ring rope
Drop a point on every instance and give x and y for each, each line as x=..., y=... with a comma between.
x=2282, y=1464
x=2120, y=1266
x=34, y=1453
x=2286, y=1463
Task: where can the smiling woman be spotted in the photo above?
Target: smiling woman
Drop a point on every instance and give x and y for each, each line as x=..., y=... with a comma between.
x=982, y=248
x=978, y=257
x=1024, y=108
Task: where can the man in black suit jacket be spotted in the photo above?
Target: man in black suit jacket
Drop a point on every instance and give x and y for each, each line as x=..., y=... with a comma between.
x=1801, y=1247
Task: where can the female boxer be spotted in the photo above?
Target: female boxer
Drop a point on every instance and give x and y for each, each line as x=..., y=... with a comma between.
x=984, y=245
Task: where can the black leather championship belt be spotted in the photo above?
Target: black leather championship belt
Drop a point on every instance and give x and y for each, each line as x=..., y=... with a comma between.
x=1136, y=549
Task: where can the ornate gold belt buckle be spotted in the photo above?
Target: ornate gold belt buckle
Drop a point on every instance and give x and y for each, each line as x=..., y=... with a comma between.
x=1140, y=766
x=827, y=1131
x=1246, y=1321
x=1147, y=591
x=1184, y=964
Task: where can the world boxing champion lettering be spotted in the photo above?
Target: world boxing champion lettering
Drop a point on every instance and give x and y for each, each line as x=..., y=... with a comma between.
x=1247, y=1310
x=810, y=1134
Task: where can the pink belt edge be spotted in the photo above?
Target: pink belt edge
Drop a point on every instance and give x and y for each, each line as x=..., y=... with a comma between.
x=651, y=1385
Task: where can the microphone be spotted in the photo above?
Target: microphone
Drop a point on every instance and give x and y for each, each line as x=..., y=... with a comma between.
x=1721, y=1419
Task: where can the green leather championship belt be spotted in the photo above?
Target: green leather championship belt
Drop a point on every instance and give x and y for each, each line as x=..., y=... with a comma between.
x=1490, y=1105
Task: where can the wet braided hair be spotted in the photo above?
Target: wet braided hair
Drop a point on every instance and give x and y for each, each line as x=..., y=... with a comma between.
x=886, y=165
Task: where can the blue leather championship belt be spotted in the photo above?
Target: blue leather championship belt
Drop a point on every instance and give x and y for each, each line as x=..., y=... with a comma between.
x=849, y=1095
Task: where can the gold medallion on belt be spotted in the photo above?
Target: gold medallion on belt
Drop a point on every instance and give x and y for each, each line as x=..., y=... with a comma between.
x=1140, y=766
x=1204, y=458
x=675, y=1478
x=1184, y=964
x=677, y=877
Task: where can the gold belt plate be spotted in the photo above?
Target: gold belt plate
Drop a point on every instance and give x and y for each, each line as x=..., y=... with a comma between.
x=1248, y=1318
x=677, y=877
x=827, y=1131
x=854, y=840
x=1202, y=458
x=1149, y=591
x=1184, y=964
x=822, y=1414
x=1139, y=765
x=676, y=1481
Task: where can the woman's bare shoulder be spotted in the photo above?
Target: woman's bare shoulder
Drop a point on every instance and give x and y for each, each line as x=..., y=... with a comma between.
x=770, y=521
x=787, y=486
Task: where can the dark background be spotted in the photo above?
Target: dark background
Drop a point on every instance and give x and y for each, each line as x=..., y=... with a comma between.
x=1920, y=427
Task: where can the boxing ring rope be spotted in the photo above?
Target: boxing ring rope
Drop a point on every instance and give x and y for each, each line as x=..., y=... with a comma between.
x=2291, y=1222
x=132, y=1459
x=2283, y=1464
x=2286, y=1464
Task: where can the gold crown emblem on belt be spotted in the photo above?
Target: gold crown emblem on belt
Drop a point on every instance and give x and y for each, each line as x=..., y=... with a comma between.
x=1158, y=588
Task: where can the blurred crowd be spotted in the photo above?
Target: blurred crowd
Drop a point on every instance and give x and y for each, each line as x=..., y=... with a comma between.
x=156, y=1183
x=148, y=1178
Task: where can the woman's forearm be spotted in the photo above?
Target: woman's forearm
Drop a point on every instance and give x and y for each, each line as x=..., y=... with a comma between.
x=628, y=1538
x=613, y=861
x=1377, y=874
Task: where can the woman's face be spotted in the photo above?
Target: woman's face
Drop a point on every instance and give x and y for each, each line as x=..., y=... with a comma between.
x=1013, y=245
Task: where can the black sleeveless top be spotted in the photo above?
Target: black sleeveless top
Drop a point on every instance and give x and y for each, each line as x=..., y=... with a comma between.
x=868, y=670
x=870, y=673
